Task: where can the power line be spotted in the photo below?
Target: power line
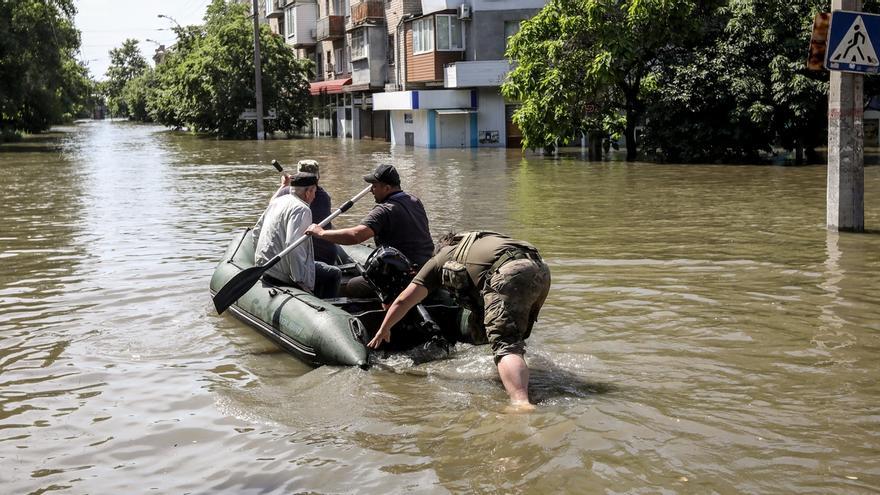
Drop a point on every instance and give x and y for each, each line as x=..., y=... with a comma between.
x=199, y=4
x=120, y=30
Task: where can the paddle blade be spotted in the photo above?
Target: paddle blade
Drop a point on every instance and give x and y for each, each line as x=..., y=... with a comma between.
x=236, y=287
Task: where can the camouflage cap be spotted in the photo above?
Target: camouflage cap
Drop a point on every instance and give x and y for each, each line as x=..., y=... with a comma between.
x=309, y=166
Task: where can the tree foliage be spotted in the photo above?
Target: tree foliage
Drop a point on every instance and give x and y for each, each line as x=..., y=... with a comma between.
x=41, y=83
x=135, y=95
x=126, y=63
x=579, y=61
x=743, y=90
x=207, y=80
x=712, y=80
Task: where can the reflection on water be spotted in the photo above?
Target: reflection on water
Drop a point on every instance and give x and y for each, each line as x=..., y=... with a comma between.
x=704, y=333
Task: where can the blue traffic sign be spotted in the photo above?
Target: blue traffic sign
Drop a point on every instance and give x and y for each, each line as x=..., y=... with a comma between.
x=853, y=42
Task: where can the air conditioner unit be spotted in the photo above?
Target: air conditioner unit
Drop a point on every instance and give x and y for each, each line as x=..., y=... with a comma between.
x=313, y=33
x=464, y=11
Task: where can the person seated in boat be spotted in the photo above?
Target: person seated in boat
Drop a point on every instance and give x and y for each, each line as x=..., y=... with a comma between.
x=398, y=220
x=325, y=251
x=503, y=281
x=283, y=222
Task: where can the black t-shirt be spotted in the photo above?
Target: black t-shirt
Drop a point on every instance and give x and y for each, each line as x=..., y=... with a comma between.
x=400, y=222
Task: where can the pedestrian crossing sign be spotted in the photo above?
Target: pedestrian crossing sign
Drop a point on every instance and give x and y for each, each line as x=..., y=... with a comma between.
x=852, y=42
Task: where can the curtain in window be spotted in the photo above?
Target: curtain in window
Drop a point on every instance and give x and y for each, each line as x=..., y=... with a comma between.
x=443, y=32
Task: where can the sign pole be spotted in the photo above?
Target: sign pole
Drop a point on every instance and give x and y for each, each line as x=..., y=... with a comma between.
x=845, y=193
x=258, y=77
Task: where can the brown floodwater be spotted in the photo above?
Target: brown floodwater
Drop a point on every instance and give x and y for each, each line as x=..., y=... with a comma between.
x=704, y=333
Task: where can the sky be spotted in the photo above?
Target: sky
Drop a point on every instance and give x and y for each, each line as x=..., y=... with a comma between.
x=105, y=24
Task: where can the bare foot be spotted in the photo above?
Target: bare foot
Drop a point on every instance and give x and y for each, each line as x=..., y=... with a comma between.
x=520, y=407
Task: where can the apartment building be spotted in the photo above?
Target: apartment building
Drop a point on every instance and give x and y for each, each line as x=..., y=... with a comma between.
x=422, y=73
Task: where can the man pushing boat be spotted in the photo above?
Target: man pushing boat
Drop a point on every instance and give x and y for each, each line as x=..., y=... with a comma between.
x=502, y=280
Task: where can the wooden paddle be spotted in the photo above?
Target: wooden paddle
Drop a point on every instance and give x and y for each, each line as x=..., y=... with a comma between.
x=244, y=280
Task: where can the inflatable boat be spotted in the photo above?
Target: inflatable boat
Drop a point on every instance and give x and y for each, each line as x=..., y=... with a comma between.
x=332, y=331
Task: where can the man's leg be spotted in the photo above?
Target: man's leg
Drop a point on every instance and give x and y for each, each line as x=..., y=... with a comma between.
x=327, y=279
x=515, y=377
x=358, y=287
x=509, y=299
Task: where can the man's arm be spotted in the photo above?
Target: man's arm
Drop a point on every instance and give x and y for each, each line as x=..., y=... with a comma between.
x=346, y=237
x=285, y=182
x=412, y=295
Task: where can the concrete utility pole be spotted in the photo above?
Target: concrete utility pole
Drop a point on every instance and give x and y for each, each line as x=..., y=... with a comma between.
x=258, y=75
x=845, y=197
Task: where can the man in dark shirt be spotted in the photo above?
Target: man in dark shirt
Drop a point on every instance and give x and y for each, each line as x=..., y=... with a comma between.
x=398, y=220
x=325, y=251
x=502, y=280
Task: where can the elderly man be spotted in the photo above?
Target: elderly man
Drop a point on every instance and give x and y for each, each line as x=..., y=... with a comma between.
x=398, y=220
x=325, y=251
x=502, y=279
x=283, y=222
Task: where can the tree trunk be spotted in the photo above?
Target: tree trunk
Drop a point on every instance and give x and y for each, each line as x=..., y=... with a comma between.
x=633, y=112
x=630, y=135
x=594, y=140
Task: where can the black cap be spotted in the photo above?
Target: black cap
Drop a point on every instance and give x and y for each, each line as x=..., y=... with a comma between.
x=303, y=179
x=384, y=173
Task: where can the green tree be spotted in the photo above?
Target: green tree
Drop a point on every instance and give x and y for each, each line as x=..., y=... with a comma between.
x=207, y=81
x=136, y=93
x=580, y=61
x=126, y=63
x=744, y=89
x=41, y=83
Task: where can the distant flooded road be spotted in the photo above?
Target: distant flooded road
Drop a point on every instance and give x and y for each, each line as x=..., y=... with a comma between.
x=704, y=333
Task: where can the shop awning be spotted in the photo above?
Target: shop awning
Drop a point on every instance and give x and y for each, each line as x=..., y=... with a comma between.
x=331, y=87
x=453, y=111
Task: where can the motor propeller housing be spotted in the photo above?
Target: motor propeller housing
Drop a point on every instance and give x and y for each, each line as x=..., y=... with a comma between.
x=389, y=272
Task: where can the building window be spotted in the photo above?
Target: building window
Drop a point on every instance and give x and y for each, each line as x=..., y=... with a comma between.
x=341, y=7
x=390, y=50
x=340, y=61
x=289, y=22
x=449, y=33
x=319, y=66
x=510, y=28
x=407, y=118
x=359, y=45
x=423, y=35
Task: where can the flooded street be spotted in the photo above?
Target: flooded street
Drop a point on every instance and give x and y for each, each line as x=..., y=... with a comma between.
x=704, y=332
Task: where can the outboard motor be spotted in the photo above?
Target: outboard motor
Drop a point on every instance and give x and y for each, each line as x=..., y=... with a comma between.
x=389, y=272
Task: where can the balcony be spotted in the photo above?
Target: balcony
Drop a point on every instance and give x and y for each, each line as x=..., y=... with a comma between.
x=331, y=28
x=300, y=26
x=367, y=11
x=479, y=73
x=275, y=8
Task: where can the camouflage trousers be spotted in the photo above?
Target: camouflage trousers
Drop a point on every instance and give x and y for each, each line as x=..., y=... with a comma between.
x=512, y=298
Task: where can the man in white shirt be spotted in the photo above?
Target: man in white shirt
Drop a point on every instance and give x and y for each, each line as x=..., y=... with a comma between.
x=284, y=221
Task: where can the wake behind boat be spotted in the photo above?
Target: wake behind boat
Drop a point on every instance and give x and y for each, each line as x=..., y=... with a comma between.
x=329, y=331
